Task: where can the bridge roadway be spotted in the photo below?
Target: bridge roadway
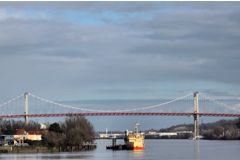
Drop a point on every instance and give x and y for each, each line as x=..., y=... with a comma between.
x=121, y=114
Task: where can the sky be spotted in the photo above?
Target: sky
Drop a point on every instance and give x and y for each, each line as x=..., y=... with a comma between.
x=119, y=50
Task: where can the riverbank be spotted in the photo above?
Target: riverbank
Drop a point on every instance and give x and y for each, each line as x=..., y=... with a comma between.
x=43, y=149
x=166, y=149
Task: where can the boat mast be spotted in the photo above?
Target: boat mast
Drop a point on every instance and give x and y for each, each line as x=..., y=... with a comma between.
x=136, y=127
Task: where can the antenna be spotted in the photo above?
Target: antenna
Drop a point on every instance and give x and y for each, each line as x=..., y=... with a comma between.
x=136, y=127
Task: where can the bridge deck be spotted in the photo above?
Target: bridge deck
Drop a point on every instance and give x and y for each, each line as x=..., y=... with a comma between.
x=122, y=114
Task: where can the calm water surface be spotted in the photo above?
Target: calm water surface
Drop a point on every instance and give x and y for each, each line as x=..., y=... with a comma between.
x=155, y=150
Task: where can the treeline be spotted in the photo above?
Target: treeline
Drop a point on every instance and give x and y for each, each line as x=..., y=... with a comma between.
x=9, y=127
x=72, y=134
x=223, y=129
x=176, y=128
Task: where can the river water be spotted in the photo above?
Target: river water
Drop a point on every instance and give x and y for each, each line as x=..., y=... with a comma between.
x=154, y=150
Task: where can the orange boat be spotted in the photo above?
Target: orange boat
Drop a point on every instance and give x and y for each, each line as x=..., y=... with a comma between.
x=135, y=140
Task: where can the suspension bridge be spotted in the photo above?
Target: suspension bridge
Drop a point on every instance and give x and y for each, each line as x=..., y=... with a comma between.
x=28, y=105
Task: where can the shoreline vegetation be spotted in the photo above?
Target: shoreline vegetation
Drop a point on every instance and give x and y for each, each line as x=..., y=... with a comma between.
x=219, y=130
x=76, y=133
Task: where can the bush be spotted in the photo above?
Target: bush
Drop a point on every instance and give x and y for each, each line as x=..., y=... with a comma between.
x=78, y=130
x=74, y=131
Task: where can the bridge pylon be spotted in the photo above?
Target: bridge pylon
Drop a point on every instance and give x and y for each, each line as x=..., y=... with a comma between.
x=196, y=116
x=26, y=107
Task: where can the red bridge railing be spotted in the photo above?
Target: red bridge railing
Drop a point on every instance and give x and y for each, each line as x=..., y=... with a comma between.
x=122, y=114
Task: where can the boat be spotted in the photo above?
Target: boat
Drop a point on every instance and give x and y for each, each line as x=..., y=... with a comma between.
x=132, y=141
x=135, y=139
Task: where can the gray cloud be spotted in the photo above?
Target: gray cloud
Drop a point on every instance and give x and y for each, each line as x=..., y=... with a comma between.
x=218, y=93
x=166, y=42
x=124, y=7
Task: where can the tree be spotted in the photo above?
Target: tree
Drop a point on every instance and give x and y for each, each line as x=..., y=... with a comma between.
x=55, y=136
x=78, y=130
x=238, y=123
x=10, y=126
x=75, y=131
x=218, y=131
x=55, y=127
x=231, y=132
x=54, y=139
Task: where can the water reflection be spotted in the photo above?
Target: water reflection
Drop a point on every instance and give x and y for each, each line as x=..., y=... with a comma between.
x=47, y=156
x=154, y=150
x=196, y=149
x=137, y=154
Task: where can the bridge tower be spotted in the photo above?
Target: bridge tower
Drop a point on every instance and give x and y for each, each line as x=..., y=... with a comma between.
x=26, y=107
x=196, y=116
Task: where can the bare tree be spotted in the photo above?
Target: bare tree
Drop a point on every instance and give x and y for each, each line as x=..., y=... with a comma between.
x=78, y=130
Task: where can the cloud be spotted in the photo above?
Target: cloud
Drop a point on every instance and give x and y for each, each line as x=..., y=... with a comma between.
x=94, y=46
x=87, y=6
x=6, y=14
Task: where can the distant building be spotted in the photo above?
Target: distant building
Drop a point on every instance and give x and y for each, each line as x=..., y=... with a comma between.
x=43, y=126
x=6, y=140
x=178, y=134
x=167, y=134
x=20, y=136
x=110, y=135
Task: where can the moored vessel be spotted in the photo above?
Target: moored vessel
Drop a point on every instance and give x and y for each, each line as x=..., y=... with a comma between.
x=133, y=140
